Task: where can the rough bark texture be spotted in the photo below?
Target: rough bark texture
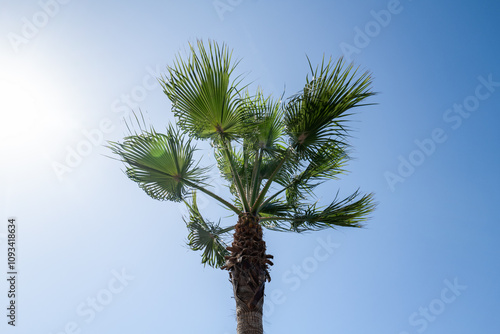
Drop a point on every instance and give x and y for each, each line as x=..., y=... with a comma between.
x=248, y=272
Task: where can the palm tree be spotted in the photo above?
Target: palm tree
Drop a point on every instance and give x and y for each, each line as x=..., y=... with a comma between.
x=272, y=153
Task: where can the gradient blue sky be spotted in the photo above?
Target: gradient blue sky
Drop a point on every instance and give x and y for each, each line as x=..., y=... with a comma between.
x=69, y=77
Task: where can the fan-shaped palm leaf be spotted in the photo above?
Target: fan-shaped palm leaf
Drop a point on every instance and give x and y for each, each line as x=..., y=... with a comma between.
x=162, y=164
x=264, y=122
x=315, y=116
x=206, y=236
x=203, y=95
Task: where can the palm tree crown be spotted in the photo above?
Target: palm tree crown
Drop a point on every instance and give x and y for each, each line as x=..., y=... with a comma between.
x=272, y=152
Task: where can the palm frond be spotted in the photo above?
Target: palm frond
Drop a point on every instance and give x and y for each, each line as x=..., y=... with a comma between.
x=204, y=97
x=349, y=212
x=323, y=164
x=276, y=207
x=264, y=122
x=206, y=236
x=162, y=164
x=316, y=116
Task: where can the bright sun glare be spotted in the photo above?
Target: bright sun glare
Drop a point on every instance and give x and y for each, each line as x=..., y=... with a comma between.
x=19, y=113
x=32, y=122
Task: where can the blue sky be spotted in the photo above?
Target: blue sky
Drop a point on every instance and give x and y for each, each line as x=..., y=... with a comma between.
x=97, y=255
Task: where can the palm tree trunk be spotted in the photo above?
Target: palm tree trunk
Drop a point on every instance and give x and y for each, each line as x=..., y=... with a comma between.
x=248, y=271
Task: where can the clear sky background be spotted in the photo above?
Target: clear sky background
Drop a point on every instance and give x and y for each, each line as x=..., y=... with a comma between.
x=97, y=255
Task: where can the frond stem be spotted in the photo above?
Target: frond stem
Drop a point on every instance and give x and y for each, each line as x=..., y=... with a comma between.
x=214, y=196
x=269, y=199
x=255, y=175
x=237, y=180
x=264, y=190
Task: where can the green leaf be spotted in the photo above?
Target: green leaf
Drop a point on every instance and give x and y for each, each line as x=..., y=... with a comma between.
x=206, y=236
x=349, y=212
x=160, y=163
x=204, y=97
x=264, y=123
x=275, y=208
x=316, y=116
x=325, y=163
